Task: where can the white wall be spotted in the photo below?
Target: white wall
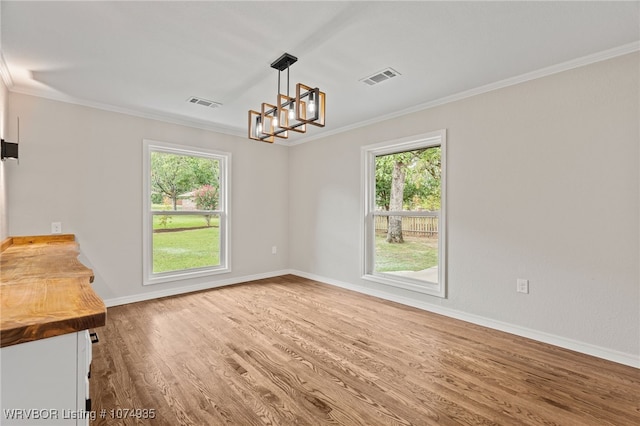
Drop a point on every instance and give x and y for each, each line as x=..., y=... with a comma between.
x=4, y=116
x=83, y=167
x=543, y=184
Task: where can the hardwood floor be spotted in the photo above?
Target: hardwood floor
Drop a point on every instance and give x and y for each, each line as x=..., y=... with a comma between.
x=290, y=351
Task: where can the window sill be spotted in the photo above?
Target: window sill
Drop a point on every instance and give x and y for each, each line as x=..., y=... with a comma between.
x=425, y=287
x=184, y=275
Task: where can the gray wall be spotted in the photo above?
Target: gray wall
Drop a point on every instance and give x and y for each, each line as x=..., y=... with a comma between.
x=543, y=184
x=4, y=117
x=83, y=167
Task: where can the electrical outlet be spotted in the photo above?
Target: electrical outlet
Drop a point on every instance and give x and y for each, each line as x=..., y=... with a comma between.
x=274, y=250
x=522, y=286
x=56, y=227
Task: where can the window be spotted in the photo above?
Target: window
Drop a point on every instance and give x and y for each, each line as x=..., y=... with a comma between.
x=404, y=213
x=186, y=212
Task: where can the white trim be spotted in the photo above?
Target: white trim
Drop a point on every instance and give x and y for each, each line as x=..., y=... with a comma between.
x=540, y=336
x=150, y=115
x=184, y=212
x=190, y=122
x=405, y=213
x=619, y=357
x=184, y=149
x=368, y=212
x=426, y=287
x=124, y=300
x=511, y=81
x=242, y=132
x=148, y=277
x=4, y=73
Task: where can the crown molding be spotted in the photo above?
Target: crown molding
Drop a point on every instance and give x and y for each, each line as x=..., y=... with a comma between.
x=234, y=131
x=4, y=73
x=533, y=75
x=165, y=118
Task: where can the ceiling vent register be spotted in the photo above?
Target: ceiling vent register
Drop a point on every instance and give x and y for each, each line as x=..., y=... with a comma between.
x=204, y=102
x=379, y=77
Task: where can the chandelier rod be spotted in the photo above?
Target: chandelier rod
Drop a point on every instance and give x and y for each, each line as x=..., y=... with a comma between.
x=278, y=83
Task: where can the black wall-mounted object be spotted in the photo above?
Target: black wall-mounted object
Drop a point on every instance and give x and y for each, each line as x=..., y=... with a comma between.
x=8, y=150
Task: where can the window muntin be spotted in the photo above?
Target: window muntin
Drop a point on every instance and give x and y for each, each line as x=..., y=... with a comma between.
x=404, y=229
x=186, y=212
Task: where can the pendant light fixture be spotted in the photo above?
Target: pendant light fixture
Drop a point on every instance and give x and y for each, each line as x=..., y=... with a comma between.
x=288, y=113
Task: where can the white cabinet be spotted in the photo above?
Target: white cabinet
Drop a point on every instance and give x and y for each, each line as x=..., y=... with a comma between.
x=45, y=382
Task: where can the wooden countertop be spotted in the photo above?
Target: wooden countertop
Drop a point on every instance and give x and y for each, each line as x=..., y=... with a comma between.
x=45, y=290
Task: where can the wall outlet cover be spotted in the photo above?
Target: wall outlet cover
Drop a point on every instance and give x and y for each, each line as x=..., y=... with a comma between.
x=522, y=286
x=56, y=227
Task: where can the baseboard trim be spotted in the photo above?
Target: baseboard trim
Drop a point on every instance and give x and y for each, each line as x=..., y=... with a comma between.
x=563, y=342
x=124, y=300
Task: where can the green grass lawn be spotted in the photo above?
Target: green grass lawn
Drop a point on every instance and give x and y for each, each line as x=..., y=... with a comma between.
x=185, y=249
x=414, y=254
x=183, y=221
x=196, y=248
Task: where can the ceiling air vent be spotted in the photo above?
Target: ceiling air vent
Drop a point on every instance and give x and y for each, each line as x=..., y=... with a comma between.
x=204, y=102
x=380, y=76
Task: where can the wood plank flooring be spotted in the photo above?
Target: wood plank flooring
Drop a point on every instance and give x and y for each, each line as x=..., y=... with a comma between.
x=290, y=351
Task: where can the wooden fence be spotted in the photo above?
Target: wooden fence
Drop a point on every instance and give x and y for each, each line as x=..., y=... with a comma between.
x=425, y=226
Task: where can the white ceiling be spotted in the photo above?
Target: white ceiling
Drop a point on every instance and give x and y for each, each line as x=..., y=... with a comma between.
x=148, y=58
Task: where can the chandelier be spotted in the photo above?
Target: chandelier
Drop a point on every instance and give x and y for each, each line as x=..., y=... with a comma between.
x=288, y=114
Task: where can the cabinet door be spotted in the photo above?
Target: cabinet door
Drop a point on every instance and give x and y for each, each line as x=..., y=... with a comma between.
x=39, y=382
x=84, y=367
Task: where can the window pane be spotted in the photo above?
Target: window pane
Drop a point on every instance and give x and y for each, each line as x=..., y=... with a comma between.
x=182, y=182
x=185, y=242
x=408, y=245
x=417, y=256
x=185, y=212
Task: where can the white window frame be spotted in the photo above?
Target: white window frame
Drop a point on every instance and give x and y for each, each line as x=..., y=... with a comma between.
x=223, y=212
x=369, y=154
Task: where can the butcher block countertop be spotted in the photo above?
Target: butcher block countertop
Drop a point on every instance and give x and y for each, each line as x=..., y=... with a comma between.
x=45, y=291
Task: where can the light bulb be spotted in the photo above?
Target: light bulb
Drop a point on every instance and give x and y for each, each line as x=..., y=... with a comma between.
x=258, y=128
x=275, y=121
x=311, y=107
x=292, y=111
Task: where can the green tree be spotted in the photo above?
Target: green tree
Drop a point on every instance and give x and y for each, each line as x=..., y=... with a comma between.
x=172, y=175
x=406, y=181
x=206, y=171
x=156, y=198
x=422, y=189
